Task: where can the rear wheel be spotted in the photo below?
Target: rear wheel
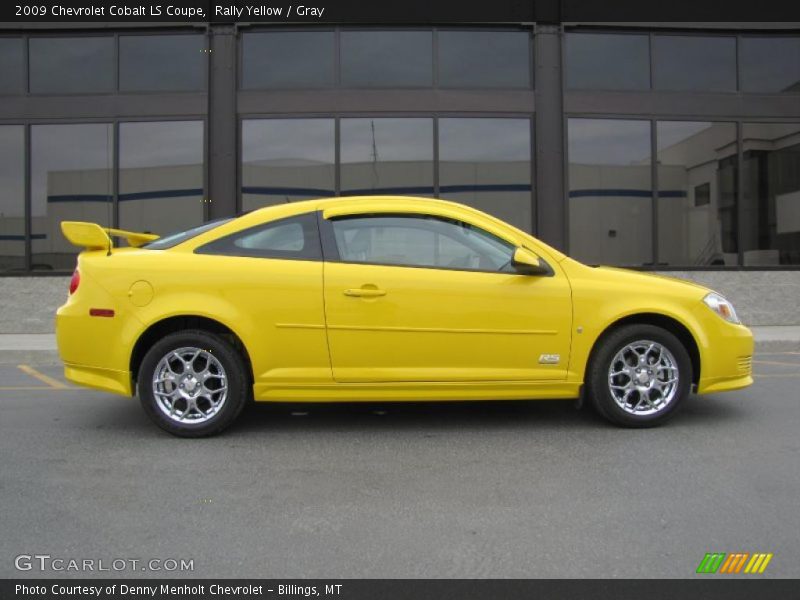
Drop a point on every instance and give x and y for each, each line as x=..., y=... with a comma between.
x=192, y=383
x=639, y=376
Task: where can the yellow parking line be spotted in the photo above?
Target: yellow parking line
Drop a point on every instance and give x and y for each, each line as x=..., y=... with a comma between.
x=771, y=375
x=775, y=362
x=33, y=388
x=53, y=383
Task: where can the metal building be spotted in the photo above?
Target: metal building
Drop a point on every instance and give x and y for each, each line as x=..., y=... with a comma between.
x=672, y=148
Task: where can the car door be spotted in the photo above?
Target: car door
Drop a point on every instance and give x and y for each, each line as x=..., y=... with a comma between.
x=416, y=297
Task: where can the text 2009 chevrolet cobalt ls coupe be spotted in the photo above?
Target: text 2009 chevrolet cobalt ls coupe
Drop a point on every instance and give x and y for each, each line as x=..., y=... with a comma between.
x=382, y=298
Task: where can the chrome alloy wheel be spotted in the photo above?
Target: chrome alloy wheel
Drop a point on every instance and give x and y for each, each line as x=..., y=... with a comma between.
x=643, y=378
x=190, y=385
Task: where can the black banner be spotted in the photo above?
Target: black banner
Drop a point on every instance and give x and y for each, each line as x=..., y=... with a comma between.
x=399, y=589
x=291, y=12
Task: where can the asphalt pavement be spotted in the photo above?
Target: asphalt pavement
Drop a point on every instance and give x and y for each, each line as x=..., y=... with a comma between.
x=503, y=489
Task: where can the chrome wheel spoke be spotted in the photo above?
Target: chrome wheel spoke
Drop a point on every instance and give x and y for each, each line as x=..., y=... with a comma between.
x=222, y=388
x=170, y=371
x=191, y=406
x=185, y=396
x=647, y=368
x=638, y=403
x=659, y=349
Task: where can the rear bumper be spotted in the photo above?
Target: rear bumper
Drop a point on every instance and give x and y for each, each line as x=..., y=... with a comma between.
x=96, y=349
x=91, y=350
x=107, y=380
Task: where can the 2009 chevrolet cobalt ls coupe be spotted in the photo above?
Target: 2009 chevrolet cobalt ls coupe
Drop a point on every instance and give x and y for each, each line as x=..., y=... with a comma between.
x=382, y=298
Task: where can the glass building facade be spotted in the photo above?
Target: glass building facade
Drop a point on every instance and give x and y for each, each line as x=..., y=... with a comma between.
x=645, y=147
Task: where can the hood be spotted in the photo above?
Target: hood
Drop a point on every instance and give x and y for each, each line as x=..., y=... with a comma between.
x=655, y=279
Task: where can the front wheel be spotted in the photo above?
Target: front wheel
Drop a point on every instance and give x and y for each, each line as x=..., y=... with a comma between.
x=639, y=376
x=192, y=383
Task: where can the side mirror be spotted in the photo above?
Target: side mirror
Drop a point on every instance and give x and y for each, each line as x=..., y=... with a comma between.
x=527, y=263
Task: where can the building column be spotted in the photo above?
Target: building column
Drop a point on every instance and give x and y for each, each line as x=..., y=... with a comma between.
x=550, y=143
x=222, y=136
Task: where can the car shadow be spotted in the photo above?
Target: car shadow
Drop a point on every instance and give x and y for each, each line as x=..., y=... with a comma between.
x=719, y=408
x=412, y=415
x=529, y=415
x=125, y=416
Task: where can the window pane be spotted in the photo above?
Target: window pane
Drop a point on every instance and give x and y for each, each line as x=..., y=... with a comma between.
x=608, y=61
x=285, y=59
x=71, y=180
x=387, y=156
x=72, y=65
x=389, y=240
x=160, y=175
x=286, y=237
x=685, y=62
x=696, y=193
x=610, y=194
x=284, y=160
x=420, y=242
x=295, y=238
x=484, y=59
x=11, y=66
x=486, y=163
x=12, y=197
x=173, y=239
x=771, y=226
x=162, y=62
x=387, y=58
x=769, y=64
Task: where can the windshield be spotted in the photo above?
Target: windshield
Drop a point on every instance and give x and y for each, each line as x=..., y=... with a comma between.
x=173, y=239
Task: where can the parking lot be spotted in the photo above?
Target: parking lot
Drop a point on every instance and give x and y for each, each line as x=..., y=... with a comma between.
x=525, y=489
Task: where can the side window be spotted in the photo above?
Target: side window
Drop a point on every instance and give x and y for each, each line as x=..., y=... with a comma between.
x=293, y=238
x=420, y=241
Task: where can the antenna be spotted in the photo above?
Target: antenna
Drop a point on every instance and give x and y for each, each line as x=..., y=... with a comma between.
x=110, y=175
x=374, y=153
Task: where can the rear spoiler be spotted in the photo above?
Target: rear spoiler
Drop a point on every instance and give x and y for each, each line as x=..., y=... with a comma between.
x=93, y=237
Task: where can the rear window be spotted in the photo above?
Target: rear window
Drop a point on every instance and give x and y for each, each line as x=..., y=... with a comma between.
x=292, y=238
x=173, y=239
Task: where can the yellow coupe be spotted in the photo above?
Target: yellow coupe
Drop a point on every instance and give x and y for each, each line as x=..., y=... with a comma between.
x=382, y=298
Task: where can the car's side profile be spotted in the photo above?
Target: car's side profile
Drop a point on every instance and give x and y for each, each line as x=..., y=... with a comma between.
x=382, y=298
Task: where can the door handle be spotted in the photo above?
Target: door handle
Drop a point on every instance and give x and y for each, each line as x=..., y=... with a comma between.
x=365, y=292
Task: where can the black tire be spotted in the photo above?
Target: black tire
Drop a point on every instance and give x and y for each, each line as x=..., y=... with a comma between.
x=238, y=391
x=597, y=375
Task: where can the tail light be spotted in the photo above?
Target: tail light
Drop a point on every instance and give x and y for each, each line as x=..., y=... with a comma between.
x=74, y=282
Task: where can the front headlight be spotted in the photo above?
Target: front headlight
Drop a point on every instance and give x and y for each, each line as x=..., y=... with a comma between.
x=722, y=307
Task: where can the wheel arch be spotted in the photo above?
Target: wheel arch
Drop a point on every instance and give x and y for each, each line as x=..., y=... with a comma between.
x=175, y=323
x=675, y=327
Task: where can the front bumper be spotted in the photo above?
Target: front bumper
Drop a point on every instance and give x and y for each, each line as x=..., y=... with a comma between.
x=727, y=358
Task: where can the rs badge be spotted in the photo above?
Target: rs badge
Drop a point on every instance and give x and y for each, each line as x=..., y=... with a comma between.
x=549, y=359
